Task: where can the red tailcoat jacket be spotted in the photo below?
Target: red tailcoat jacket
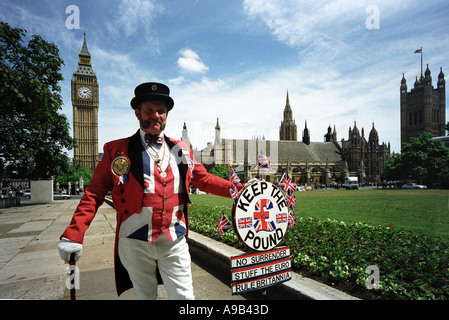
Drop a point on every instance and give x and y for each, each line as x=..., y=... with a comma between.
x=127, y=197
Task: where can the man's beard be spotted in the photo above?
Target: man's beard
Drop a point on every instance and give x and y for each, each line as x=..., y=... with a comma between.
x=147, y=123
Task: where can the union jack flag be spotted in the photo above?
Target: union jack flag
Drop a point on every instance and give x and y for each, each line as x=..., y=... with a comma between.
x=287, y=183
x=223, y=225
x=291, y=200
x=244, y=223
x=291, y=220
x=234, y=193
x=263, y=160
x=234, y=177
x=281, y=217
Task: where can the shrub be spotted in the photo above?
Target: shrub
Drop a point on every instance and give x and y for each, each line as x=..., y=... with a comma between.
x=411, y=265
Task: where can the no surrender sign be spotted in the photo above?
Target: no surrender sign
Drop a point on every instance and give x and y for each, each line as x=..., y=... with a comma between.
x=259, y=270
x=255, y=258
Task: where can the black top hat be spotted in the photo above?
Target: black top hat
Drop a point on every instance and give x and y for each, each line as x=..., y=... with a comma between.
x=152, y=91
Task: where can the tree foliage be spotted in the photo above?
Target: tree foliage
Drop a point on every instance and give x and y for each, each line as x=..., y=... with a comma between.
x=33, y=133
x=423, y=159
x=73, y=174
x=220, y=170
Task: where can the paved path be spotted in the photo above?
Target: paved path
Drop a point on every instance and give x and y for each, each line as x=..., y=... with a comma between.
x=30, y=266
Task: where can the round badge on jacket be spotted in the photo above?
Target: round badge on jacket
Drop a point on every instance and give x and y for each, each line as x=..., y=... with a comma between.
x=120, y=165
x=260, y=215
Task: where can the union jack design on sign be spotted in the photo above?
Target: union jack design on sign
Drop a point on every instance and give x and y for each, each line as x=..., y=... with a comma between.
x=245, y=223
x=261, y=214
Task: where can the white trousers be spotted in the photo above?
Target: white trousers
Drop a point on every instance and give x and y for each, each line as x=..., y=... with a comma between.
x=140, y=259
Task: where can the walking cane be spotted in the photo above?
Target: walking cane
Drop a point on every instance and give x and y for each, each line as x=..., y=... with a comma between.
x=72, y=276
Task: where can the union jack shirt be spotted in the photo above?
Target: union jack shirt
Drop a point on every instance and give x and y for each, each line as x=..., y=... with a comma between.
x=162, y=204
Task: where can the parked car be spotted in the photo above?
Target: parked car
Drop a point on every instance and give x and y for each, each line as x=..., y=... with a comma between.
x=60, y=195
x=27, y=194
x=413, y=186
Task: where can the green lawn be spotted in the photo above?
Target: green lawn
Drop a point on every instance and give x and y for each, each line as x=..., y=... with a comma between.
x=339, y=234
x=426, y=211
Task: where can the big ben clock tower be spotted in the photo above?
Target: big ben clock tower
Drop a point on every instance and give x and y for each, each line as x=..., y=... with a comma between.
x=85, y=101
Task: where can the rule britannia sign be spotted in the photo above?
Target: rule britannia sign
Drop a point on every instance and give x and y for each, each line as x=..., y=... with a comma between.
x=260, y=215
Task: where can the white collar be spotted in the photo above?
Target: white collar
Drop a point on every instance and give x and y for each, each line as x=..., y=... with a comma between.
x=143, y=133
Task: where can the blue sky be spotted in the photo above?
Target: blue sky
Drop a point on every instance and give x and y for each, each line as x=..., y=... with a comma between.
x=235, y=60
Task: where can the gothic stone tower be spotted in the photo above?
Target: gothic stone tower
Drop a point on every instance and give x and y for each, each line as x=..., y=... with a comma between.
x=423, y=109
x=85, y=101
x=288, y=130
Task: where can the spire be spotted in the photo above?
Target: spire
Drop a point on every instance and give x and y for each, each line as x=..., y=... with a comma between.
x=288, y=110
x=185, y=135
x=441, y=82
x=373, y=135
x=217, y=126
x=84, y=61
x=403, y=81
x=355, y=131
x=217, y=134
x=84, y=51
x=305, y=134
x=288, y=131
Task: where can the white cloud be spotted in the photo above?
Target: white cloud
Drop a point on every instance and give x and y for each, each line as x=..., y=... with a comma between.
x=177, y=80
x=191, y=62
x=135, y=18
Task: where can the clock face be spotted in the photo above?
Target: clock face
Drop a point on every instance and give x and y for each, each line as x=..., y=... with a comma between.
x=84, y=92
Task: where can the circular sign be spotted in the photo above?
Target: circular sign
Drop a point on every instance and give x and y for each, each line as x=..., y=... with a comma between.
x=260, y=215
x=120, y=165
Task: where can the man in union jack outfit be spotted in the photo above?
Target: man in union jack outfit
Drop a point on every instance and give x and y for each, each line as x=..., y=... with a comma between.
x=149, y=175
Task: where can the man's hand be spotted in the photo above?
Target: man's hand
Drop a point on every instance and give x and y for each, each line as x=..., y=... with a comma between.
x=67, y=247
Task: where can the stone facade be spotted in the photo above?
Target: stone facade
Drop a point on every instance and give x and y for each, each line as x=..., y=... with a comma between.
x=423, y=109
x=288, y=131
x=309, y=163
x=85, y=101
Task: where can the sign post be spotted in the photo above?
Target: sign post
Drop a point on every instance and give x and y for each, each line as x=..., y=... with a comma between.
x=260, y=219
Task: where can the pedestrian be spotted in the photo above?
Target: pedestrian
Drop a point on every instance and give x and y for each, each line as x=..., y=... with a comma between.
x=149, y=175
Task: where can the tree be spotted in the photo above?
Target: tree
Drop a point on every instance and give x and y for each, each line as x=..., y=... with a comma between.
x=220, y=171
x=423, y=159
x=73, y=175
x=33, y=133
x=393, y=168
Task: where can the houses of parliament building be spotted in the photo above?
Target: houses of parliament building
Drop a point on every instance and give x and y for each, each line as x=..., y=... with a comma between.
x=423, y=109
x=309, y=163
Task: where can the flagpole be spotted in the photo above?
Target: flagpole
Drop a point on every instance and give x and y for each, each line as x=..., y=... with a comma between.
x=421, y=62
